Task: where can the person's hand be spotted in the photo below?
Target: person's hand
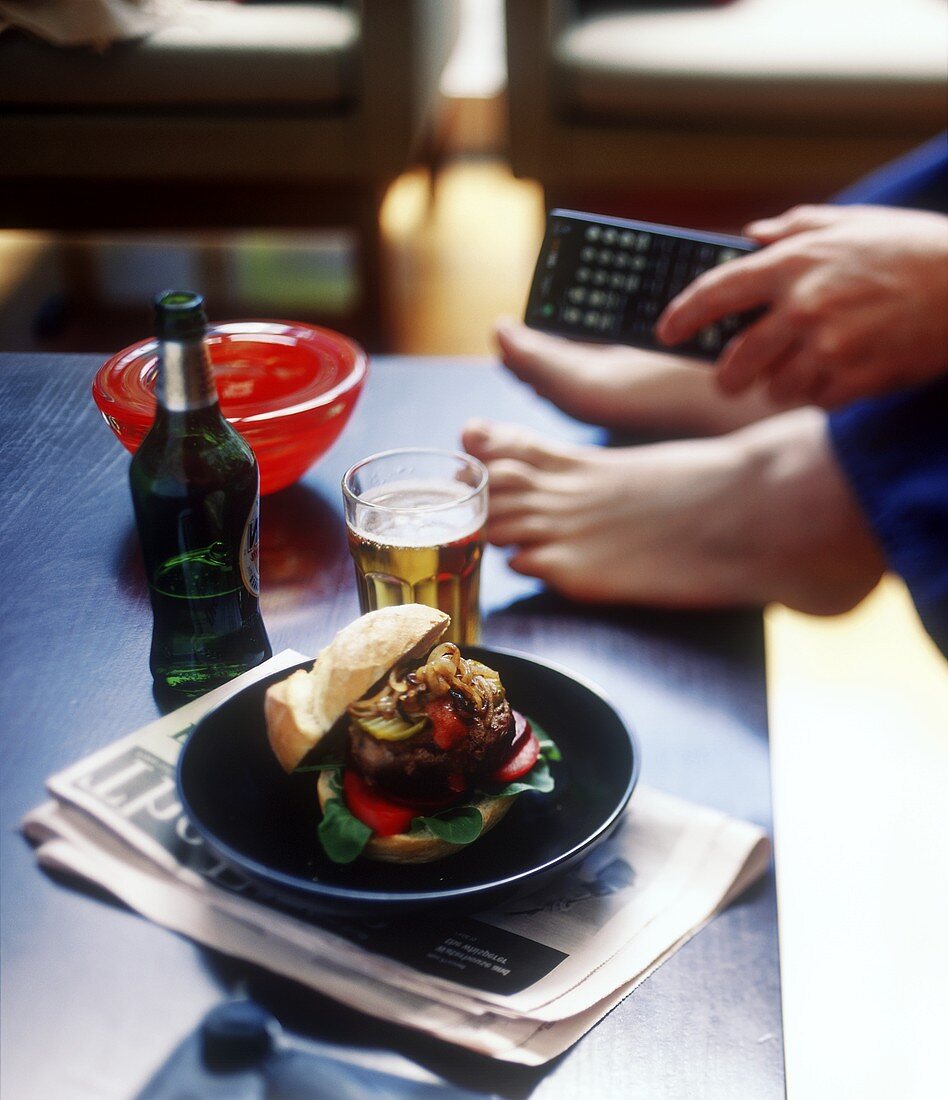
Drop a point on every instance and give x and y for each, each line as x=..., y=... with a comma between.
x=855, y=304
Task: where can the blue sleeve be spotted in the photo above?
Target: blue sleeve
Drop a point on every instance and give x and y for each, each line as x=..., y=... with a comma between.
x=894, y=452
x=918, y=179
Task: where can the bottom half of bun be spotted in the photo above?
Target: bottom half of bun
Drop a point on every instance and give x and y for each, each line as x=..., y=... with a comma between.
x=409, y=848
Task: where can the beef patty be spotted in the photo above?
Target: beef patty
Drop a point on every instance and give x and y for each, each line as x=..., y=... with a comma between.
x=419, y=768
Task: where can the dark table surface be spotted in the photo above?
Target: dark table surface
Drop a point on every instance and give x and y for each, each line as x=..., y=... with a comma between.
x=94, y=998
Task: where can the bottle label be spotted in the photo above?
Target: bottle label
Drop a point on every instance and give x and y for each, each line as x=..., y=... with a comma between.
x=250, y=551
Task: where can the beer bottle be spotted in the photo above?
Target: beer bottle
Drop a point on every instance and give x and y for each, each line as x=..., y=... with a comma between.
x=196, y=491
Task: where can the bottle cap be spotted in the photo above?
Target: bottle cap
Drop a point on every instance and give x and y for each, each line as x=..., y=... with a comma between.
x=179, y=315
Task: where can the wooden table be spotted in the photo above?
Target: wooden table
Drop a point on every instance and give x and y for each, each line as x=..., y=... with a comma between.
x=95, y=998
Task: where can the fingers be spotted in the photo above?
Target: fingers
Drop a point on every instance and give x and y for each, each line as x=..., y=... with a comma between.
x=754, y=353
x=799, y=219
x=731, y=288
x=796, y=381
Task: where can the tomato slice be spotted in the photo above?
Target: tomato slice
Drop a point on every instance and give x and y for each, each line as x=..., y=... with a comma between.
x=447, y=725
x=522, y=730
x=422, y=806
x=383, y=817
x=520, y=762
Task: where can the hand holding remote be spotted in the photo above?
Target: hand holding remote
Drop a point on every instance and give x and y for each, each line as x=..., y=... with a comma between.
x=605, y=280
x=854, y=298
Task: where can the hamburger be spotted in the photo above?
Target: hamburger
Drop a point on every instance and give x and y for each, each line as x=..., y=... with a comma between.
x=417, y=748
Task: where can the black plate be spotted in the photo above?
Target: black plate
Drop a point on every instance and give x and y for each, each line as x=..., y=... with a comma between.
x=263, y=823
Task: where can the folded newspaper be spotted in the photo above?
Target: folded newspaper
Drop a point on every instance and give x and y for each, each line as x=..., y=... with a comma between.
x=520, y=982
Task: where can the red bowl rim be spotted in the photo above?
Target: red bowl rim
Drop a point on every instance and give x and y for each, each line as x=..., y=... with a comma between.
x=352, y=379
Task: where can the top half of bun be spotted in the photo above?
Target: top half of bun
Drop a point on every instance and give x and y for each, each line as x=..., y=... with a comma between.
x=302, y=709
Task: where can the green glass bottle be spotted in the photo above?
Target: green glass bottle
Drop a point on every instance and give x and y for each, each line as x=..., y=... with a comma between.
x=196, y=491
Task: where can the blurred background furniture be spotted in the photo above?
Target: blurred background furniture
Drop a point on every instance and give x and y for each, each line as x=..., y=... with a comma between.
x=716, y=112
x=252, y=115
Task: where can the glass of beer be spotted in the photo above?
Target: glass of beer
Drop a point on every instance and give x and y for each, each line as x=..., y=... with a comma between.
x=415, y=519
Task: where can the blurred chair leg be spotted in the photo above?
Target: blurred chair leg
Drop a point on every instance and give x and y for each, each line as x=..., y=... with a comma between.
x=77, y=292
x=373, y=313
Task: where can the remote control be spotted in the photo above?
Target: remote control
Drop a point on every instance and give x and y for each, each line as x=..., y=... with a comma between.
x=607, y=280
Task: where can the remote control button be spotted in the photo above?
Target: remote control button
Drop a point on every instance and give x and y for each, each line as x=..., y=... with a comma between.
x=617, y=282
x=593, y=232
x=588, y=255
x=632, y=283
x=638, y=263
x=599, y=278
x=572, y=315
x=621, y=259
x=609, y=236
x=605, y=256
x=627, y=239
x=728, y=254
x=600, y=298
x=576, y=294
x=606, y=321
x=582, y=275
x=591, y=318
x=642, y=241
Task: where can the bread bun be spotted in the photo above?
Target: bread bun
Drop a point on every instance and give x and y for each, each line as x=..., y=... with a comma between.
x=302, y=709
x=405, y=848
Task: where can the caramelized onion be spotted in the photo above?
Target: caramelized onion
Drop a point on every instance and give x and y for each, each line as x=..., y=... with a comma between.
x=444, y=671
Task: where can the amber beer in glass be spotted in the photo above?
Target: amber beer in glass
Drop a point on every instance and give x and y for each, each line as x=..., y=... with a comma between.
x=415, y=519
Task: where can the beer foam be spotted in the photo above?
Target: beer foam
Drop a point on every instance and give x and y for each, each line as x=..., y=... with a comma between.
x=419, y=513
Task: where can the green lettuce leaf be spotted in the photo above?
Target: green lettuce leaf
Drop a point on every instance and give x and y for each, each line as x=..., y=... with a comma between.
x=459, y=825
x=548, y=749
x=342, y=835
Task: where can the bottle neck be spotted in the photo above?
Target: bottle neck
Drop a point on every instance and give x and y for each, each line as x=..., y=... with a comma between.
x=185, y=378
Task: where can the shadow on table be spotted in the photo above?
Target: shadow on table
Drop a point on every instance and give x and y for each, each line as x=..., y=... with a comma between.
x=695, y=653
x=311, y=1016
x=303, y=551
x=304, y=561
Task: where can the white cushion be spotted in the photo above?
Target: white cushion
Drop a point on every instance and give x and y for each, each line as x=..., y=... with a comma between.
x=220, y=55
x=756, y=58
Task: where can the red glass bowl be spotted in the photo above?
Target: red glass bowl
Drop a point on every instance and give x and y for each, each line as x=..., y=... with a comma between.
x=288, y=388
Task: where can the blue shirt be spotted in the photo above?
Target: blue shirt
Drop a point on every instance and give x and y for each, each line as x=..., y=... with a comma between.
x=894, y=450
